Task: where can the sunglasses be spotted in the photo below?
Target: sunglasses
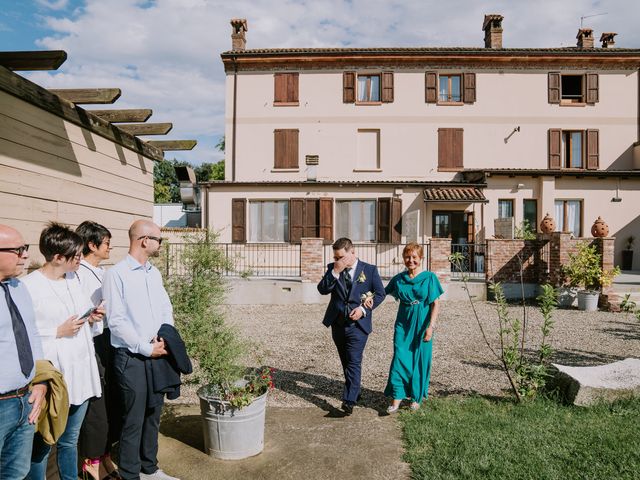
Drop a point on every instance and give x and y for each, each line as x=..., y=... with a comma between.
x=157, y=239
x=17, y=250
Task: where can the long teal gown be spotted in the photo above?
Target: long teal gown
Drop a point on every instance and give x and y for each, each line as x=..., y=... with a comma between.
x=411, y=365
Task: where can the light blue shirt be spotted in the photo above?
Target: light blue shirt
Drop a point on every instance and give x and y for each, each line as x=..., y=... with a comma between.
x=11, y=376
x=137, y=305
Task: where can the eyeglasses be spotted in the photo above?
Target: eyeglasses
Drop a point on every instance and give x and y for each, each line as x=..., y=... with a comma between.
x=17, y=250
x=157, y=239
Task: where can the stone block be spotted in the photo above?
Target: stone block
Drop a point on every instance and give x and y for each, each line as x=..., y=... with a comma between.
x=586, y=386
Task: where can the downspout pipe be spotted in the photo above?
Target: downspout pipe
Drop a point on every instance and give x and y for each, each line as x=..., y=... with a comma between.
x=233, y=121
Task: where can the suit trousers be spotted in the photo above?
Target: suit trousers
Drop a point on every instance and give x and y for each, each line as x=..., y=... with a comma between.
x=350, y=341
x=140, y=424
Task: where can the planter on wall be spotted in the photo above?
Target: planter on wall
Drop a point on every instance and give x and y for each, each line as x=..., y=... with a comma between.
x=588, y=300
x=599, y=229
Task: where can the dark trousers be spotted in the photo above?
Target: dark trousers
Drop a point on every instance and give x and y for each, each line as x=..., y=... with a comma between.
x=140, y=424
x=350, y=341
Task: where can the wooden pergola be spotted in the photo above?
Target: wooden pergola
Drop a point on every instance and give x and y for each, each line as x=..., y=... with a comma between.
x=130, y=122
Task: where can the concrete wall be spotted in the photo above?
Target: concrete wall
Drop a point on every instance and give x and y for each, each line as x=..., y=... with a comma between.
x=52, y=169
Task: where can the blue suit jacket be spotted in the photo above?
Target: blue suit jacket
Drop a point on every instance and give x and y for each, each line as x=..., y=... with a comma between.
x=371, y=282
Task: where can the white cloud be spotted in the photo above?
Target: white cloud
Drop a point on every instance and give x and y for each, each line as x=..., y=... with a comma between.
x=165, y=54
x=53, y=4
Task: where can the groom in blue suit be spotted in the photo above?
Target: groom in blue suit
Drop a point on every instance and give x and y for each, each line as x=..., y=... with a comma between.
x=347, y=280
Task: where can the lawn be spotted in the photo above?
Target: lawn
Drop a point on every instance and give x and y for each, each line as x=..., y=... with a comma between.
x=473, y=438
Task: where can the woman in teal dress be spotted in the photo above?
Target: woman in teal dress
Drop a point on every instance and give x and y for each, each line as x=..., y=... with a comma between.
x=418, y=292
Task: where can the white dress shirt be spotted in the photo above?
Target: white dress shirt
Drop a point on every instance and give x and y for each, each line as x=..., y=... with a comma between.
x=137, y=305
x=54, y=301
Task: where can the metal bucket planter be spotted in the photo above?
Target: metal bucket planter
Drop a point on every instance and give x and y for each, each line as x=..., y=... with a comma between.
x=232, y=433
x=567, y=296
x=588, y=300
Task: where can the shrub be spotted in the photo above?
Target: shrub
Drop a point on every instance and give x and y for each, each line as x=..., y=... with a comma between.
x=584, y=269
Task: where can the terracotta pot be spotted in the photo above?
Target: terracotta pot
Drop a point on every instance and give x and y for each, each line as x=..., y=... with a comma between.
x=547, y=225
x=599, y=228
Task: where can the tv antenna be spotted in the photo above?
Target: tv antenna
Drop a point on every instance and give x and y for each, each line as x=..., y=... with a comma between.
x=589, y=16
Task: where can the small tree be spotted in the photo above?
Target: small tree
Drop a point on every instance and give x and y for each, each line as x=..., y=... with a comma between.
x=584, y=269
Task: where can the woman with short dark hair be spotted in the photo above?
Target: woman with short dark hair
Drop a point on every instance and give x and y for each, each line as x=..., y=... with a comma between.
x=67, y=320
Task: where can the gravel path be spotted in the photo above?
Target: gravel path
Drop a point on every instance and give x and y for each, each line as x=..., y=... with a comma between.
x=293, y=340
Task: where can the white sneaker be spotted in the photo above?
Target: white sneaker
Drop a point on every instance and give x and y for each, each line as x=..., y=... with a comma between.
x=157, y=475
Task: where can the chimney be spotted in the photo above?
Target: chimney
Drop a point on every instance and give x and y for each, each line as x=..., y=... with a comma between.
x=492, y=27
x=585, y=38
x=238, y=34
x=607, y=39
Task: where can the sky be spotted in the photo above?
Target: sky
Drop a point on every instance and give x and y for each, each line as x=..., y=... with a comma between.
x=165, y=54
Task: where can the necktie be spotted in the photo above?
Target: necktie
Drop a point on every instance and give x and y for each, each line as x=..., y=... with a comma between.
x=25, y=355
x=347, y=280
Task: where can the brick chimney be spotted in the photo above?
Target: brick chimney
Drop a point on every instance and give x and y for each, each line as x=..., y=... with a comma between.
x=585, y=38
x=238, y=33
x=492, y=27
x=607, y=39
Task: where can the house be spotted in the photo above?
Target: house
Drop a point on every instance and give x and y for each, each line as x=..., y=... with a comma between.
x=392, y=145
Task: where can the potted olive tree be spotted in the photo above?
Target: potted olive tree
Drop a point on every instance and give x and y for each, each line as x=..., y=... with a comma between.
x=584, y=270
x=232, y=398
x=627, y=253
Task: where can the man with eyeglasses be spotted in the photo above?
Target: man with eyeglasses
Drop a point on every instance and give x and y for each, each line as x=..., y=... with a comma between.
x=20, y=347
x=137, y=305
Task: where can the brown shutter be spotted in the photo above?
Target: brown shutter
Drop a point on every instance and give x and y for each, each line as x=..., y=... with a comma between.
x=387, y=87
x=326, y=220
x=311, y=217
x=593, y=149
x=280, y=87
x=396, y=221
x=279, y=148
x=469, y=93
x=471, y=229
x=238, y=220
x=457, y=159
x=296, y=219
x=384, y=217
x=292, y=87
x=291, y=142
x=555, y=148
x=349, y=87
x=554, y=87
x=431, y=87
x=592, y=88
x=450, y=148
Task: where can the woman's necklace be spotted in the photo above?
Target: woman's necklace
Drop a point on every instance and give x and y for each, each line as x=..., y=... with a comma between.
x=66, y=305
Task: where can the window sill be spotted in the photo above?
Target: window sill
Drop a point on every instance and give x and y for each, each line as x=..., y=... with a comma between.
x=451, y=104
x=285, y=170
x=286, y=104
x=368, y=103
x=443, y=169
x=367, y=170
x=567, y=103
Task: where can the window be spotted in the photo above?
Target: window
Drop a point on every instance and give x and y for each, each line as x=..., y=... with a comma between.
x=449, y=90
x=356, y=219
x=456, y=225
x=450, y=149
x=285, y=89
x=573, y=89
x=572, y=156
x=368, y=88
x=530, y=213
x=442, y=225
x=568, y=216
x=269, y=221
x=505, y=208
x=368, y=150
x=285, y=149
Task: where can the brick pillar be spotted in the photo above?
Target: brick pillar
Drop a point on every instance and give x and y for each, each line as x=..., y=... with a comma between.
x=560, y=244
x=439, y=251
x=312, y=259
x=605, y=247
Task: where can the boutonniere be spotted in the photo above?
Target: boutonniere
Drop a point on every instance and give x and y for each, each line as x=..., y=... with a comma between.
x=362, y=277
x=365, y=296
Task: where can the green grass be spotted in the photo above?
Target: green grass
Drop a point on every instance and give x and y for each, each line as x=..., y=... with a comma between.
x=472, y=438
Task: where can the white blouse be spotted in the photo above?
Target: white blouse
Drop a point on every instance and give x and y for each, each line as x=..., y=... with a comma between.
x=91, y=282
x=53, y=302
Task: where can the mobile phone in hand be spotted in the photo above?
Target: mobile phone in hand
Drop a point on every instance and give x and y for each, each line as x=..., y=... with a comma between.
x=86, y=314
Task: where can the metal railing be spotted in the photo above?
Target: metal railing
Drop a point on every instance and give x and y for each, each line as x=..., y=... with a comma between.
x=386, y=256
x=474, y=260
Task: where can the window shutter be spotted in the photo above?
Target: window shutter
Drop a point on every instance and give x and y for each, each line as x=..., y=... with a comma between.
x=431, y=87
x=592, y=88
x=450, y=148
x=469, y=93
x=279, y=148
x=326, y=220
x=554, y=87
x=457, y=148
x=239, y=220
x=471, y=229
x=292, y=87
x=311, y=217
x=593, y=149
x=555, y=148
x=280, y=87
x=291, y=142
x=349, y=87
x=396, y=221
x=384, y=217
x=296, y=219
x=387, y=87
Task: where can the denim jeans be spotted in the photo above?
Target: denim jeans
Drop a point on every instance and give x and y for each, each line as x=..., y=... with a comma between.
x=67, y=448
x=16, y=438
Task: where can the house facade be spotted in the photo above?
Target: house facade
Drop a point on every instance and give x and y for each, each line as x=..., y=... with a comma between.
x=391, y=145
